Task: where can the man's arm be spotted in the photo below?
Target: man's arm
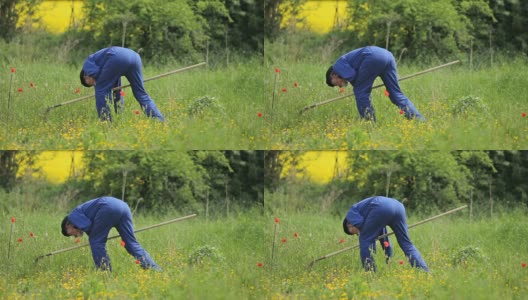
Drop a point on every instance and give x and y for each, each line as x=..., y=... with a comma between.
x=98, y=238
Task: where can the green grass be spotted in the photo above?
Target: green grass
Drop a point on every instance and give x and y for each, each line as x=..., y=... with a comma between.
x=498, y=273
x=232, y=273
x=244, y=241
x=237, y=89
x=497, y=123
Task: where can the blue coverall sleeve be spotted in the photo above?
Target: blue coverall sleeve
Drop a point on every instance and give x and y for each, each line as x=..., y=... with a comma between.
x=344, y=70
x=80, y=220
x=365, y=247
x=98, y=239
x=354, y=217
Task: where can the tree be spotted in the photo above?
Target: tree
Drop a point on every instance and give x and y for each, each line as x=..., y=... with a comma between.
x=213, y=182
x=11, y=161
x=153, y=180
x=246, y=31
x=424, y=180
x=512, y=20
x=425, y=29
x=184, y=29
x=510, y=179
x=274, y=13
x=10, y=12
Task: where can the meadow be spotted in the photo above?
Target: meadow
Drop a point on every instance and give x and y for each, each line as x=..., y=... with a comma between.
x=256, y=256
x=483, y=107
x=213, y=107
x=201, y=259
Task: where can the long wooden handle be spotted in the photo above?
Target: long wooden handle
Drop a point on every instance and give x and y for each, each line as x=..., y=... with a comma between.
x=387, y=234
x=127, y=85
x=379, y=85
x=115, y=236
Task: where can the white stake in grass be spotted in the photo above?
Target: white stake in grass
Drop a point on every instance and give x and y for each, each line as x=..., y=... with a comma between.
x=277, y=221
x=13, y=70
x=277, y=72
x=13, y=220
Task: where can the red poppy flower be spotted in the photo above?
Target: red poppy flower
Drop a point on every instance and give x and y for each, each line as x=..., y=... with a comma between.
x=386, y=244
x=31, y=85
x=277, y=220
x=295, y=235
x=386, y=93
x=401, y=262
x=523, y=114
x=295, y=84
x=77, y=91
x=523, y=265
x=283, y=90
x=122, y=93
x=31, y=234
x=77, y=240
x=341, y=90
x=137, y=261
x=20, y=90
x=341, y=241
x=401, y=112
x=13, y=70
x=136, y=112
x=259, y=264
x=283, y=240
x=259, y=114
x=122, y=243
x=19, y=240
x=277, y=70
x=13, y=220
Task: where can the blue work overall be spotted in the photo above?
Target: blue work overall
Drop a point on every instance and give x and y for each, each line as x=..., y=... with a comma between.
x=371, y=216
x=96, y=217
x=360, y=67
x=107, y=66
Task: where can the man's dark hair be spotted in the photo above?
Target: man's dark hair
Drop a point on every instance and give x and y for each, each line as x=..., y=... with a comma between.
x=83, y=82
x=329, y=76
x=345, y=228
x=63, y=226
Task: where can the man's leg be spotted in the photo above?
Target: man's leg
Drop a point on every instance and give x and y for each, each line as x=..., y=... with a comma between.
x=126, y=231
x=373, y=227
x=119, y=101
x=390, y=79
x=399, y=226
x=135, y=77
x=374, y=62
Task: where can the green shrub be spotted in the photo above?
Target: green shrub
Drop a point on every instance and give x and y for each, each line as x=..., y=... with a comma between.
x=205, y=254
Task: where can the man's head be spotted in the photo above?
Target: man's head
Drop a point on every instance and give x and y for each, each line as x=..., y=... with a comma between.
x=68, y=229
x=332, y=79
x=86, y=80
x=349, y=228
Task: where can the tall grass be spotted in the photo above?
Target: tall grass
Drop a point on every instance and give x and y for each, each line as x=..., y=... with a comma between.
x=483, y=258
x=229, y=271
x=495, y=266
x=494, y=117
x=228, y=120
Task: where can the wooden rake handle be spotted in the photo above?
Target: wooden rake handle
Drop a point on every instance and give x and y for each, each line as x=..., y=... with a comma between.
x=378, y=86
x=387, y=234
x=127, y=85
x=114, y=236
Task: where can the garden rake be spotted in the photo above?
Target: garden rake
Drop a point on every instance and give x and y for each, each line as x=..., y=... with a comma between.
x=379, y=85
x=123, y=86
x=385, y=235
x=114, y=236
